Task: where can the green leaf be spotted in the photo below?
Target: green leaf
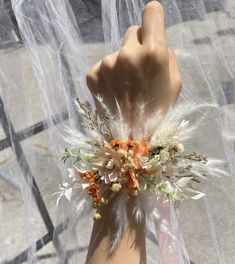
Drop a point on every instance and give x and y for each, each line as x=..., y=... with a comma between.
x=155, y=151
x=66, y=155
x=78, y=157
x=88, y=157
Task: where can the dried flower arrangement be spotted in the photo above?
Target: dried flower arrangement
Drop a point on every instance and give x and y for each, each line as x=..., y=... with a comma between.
x=155, y=165
x=131, y=166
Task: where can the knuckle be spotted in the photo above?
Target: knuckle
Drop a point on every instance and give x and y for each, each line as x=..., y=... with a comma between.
x=125, y=57
x=91, y=76
x=92, y=80
x=151, y=53
x=107, y=64
x=157, y=56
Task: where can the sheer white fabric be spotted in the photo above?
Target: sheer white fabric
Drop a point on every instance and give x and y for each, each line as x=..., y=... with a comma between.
x=42, y=73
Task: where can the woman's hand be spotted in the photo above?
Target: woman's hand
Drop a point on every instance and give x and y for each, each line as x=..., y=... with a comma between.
x=143, y=70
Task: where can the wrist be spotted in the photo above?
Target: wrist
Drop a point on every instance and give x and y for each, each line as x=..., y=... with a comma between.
x=105, y=231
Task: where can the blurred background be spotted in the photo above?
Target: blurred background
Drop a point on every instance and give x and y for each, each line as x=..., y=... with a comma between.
x=46, y=48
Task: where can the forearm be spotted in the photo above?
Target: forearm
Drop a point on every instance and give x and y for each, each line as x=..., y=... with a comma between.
x=131, y=248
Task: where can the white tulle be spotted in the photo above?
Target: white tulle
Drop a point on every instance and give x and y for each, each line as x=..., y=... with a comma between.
x=61, y=40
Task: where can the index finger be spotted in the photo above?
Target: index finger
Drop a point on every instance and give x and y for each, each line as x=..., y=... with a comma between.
x=153, y=26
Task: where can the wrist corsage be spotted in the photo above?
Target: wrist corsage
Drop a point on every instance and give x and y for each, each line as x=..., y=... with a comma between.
x=150, y=167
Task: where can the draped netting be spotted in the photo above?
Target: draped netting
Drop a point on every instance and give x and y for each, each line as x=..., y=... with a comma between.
x=46, y=48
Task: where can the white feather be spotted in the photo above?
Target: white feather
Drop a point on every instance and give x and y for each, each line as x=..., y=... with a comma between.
x=137, y=212
x=119, y=210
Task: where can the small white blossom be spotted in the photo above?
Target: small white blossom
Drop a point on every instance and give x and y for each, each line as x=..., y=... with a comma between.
x=168, y=187
x=131, y=163
x=116, y=187
x=71, y=173
x=97, y=216
x=143, y=161
x=110, y=164
x=109, y=177
x=122, y=153
x=179, y=148
x=68, y=193
x=164, y=155
x=85, y=185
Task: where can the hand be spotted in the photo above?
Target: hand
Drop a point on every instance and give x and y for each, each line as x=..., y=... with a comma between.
x=143, y=70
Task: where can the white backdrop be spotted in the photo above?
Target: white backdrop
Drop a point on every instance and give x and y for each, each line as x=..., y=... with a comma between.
x=42, y=73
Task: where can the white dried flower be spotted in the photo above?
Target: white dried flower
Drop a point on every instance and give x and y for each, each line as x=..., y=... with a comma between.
x=164, y=155
x=110, y=164
x=122, y=153
x=116, y=187
x=131, y=163
x=179, y=148
x=164, y=168
x=109, y=177
x=168, y=187
x=143, y=161
x=68, y=194
x=104, y=201
x=171, y=134
x=97, y=216
x=71, y=173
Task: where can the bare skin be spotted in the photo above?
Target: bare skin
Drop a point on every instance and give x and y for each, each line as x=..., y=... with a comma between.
x=131, y=248
x=144, y=68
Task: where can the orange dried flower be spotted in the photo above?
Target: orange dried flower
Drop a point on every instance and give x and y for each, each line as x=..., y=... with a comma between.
x=138, y=149
x=115, y=143
x=94, y=191
x=128, y=163
x=141, y=148
x=89, y=175
x=93, y=188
